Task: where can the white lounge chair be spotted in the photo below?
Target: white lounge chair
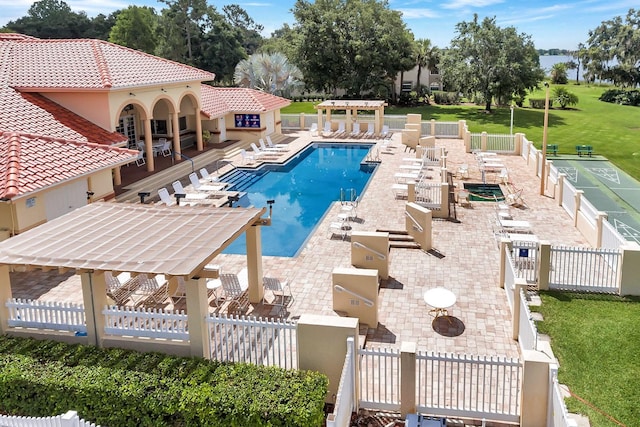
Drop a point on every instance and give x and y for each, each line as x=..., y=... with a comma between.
x=195, y=183
x=340, y=227
x=355, y=132
x=150, y=290
x=247, y=157
x=313, y=130
x=206, y=176
x=179, y=189
x=140, y=160
x=263, y=147
x=385, y=134
x=165, y=197
x=326, y=130
x=400, y=191
x=281, y=147
x=256, y=151
x=370, y=133
x=341, y=129
x=463, y=171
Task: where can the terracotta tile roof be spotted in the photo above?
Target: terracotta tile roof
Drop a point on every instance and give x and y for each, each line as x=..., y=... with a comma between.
x=218, y=101
x=32, y=113
x=15, y=36
x=37, y=64
x=29, y=162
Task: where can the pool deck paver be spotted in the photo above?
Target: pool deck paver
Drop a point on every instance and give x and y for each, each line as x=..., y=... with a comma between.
x=481, y=323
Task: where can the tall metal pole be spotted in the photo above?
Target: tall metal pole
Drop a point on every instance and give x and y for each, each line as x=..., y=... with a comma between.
x=544, y=139
x=511, y=126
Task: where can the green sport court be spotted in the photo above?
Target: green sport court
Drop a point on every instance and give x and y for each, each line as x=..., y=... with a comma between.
x=608, y=188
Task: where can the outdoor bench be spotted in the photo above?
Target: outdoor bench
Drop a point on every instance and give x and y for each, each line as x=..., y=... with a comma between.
x=553, y=149
x=584, y=149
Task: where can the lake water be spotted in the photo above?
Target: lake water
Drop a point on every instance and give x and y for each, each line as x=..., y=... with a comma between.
x=548, y=61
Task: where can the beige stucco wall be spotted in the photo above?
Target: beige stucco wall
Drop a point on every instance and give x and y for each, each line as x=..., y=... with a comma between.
x=358, y=283
x=101, y=183
x=322, y=346
x=29, y=216
x=93, y=106
x=5, y=219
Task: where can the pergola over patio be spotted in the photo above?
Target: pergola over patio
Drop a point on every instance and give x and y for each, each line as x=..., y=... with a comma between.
x=176, y=241
x=352, y=106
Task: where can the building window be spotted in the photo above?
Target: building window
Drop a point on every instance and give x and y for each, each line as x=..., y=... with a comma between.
x=407, y=86
x=159, y=127
x=183, y=123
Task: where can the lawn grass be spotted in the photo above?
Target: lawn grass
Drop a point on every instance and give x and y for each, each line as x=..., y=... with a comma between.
x=596, y=339
x=613, y=130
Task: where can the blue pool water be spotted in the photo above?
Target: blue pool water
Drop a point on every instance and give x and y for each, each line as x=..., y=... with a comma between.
x=303, y=189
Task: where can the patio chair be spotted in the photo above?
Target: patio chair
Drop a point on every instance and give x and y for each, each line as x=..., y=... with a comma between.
x=313, y=130
x=400, y=191
x=503, y=176
x=463, y=171
x=281, y=292
x=326, y=130
x=206, y=176
x=159, y=148
x=341, y=129
x=150, y=291
x=165, y=198
x=514, y=198
x=118, y=291
x=370, y=133
x=281, y=147
x=349, y=202
x=235, y=290
x=140, y=160
x=340, y=227
x=195, y=183
x=355, y=132
x=385, y=134
x=166, y=149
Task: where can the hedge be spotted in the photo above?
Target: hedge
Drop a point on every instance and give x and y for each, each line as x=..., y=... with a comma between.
x=115, y=387
x=539, y=103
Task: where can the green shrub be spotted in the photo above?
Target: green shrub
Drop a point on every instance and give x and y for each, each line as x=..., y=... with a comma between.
x=623, y=97
x=446, y=98
x=117, y=387
x=539, y=103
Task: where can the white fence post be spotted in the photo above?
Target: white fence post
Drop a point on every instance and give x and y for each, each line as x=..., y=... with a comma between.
x=515, y=321
x=70, y=419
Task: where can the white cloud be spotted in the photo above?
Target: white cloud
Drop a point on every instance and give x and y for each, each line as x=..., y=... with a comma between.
x=418, y=13
x=461, y=4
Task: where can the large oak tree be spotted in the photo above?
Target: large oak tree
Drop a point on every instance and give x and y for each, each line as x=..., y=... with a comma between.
x=492, y=62
x=355, y=45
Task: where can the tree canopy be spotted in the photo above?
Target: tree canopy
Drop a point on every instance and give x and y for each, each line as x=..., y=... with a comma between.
x=271, y=73
x=355, y=45
x=491, y=62
x=136, y=27
x=612, y=51
x=61, y=21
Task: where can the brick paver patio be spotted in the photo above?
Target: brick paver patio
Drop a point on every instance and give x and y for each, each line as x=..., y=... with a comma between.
x=481, y=318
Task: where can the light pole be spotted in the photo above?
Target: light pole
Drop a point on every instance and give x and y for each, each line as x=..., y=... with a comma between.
x=511, y=126
x=544, y=138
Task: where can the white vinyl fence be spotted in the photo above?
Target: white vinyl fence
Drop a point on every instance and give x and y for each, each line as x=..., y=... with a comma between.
x=446, y=129
x=527, y=331
x=380, y=378
x=525, y=260
x=147, y=323
x=58, y=316
x=476, y=387
x=269, y=342
x=524, y=149
x=501, y=143
x=510, y=275
x=429, y=195
x=584, y=269
x=70, y=419
x=345, y=397
x=569, y=198
x=558, y=416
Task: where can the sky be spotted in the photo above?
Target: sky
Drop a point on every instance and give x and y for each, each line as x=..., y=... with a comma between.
x=551, y=24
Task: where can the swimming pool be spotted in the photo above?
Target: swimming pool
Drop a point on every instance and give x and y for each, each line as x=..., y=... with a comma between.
x=303, y=189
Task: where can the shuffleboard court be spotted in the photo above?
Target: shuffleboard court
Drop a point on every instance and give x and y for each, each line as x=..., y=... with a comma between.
x=609, y=189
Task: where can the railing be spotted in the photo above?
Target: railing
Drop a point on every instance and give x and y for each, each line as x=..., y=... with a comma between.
x=584, y=269
x=416, y=224
x=475, y=387
x=147, y=323
x=568, y=198
x=446, y=129
x=380, y=378
x=253, y=340
x=501, y=143
x=476, y=141
x=557, y=415
x=553, y=174
x=510, y=275
x=292, y=121
x=429, y=195
x=58, y=316
x=527, y=331
x=345, y=397
x=524, y=149
x=395, y=122
x=70, y=419
x=367, y=248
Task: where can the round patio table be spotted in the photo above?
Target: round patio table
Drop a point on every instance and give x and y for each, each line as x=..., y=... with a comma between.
x=440, y=299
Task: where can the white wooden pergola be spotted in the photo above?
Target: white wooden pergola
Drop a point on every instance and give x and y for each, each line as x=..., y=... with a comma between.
x=352, y=106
